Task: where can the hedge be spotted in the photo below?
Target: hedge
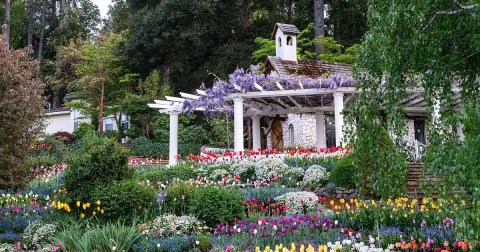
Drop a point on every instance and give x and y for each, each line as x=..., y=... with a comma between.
x=144, y=147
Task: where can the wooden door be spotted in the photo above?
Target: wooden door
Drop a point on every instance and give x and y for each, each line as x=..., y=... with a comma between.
x=277, y=135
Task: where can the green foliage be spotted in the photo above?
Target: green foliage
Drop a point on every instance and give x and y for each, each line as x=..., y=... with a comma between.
x=74, y=237
x=95, y=163
x=381, y=173
x=144, y=147
x=141, y=116
x=179, y=196
x=334, y=52
x=344, y=173
x=215, y=204
x=125, y=199
x=181, y=172
x=267, y=48
x=459, y=165
x=83, y=130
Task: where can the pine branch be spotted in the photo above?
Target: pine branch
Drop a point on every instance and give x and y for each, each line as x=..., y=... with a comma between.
x=461, y=9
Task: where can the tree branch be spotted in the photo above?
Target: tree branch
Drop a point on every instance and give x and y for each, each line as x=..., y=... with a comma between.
x=461, y=8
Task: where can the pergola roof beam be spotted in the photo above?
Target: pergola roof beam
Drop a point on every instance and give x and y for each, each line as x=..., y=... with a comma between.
x=189, y=96
x=177, y=99
x=290, y=92
x=200, y=92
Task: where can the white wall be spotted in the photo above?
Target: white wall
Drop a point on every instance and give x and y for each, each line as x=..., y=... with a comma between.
x=58, y=121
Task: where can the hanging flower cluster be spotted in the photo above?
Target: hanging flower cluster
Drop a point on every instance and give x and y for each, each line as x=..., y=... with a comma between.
x=244, y=81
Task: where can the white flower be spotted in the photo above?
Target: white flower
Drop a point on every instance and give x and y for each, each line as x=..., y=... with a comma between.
x=274, y=227
x=197, y=242
x=238, y=230
x=391, y=246
x=255, y=231
x=158, y=245
x=371, y=240
x=114, y=248
x=336, y=222
x=259, y=222
x=329, y=244
x=297, y=202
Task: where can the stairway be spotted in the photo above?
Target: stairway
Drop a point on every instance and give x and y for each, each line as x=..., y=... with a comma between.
x=415, y=177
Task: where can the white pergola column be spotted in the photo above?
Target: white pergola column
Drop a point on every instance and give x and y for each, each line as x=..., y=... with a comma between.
x=320, y=123
x=238, y=123
x=256, y=132
x=173, y=144
x=338, y=106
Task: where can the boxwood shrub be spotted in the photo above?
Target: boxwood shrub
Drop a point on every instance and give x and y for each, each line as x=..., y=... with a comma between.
x=144, y=147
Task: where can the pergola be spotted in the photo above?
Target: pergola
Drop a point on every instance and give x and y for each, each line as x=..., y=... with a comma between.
x=277, y=99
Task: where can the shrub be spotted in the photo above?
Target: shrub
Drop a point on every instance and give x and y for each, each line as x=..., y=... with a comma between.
x=21, y=113
x=216, y=204
x=269, y=168
x=66, y=137
x=84, y=130
x=265, y=193
x=6, y=247
x=344, y=172
x=218, y=174
x=125, y=199
x=315, y=175
x=382, y=173
x=144, y=147
x=95, y=164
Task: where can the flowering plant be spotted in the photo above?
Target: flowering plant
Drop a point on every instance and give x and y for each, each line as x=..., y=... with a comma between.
x=299, y=202
x=315, y=174
x=268, y=169
x=170, y=225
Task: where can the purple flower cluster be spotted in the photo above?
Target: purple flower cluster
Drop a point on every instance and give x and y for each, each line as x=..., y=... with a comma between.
x=244, y=81
x=276, y=226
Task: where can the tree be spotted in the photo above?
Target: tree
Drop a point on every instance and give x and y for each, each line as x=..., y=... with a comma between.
x=21, y=113
x=433, y=45
x=319, y=19
x=7, y=21
x=98, y=68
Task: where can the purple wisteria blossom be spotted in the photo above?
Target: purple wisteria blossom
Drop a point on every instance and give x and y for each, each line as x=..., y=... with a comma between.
x=243, y=81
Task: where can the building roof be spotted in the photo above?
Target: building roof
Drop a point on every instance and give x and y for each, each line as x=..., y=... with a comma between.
x=286, y=28
x=307, y=68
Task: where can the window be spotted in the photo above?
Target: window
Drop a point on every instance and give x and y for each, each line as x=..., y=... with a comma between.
x=289, y=41
x=279, y=41
x=125, y=122
x=109, y=123
x=291, y=134
x=419, y=127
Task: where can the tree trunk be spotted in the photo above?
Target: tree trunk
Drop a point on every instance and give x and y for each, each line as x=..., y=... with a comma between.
x=7, y=21
x=290, y=11
x=42, y=31
x=319, y=18
x=244, y=16
x=30, y=24
x=100, y=113
x=57, y=99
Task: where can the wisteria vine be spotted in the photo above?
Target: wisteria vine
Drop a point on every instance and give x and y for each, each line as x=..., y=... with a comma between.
x=213, y=102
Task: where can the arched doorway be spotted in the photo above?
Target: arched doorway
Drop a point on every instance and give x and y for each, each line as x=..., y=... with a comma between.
x=277, y=135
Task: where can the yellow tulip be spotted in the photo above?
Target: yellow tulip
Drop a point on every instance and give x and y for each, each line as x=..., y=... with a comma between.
x=94, y=213
x=302, y=248
x=82, y=215
x=98, y=208
x=78, y=203
x=98, y=202
x=102, y=211
x=342, y=201
x=332, y=202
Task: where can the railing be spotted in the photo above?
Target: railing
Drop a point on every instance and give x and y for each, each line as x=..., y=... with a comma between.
x=415, y=150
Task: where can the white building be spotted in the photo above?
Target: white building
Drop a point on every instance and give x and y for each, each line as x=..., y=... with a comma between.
x=66, y=119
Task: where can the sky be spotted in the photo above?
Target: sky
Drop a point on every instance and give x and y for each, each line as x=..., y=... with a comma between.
x=102, y=6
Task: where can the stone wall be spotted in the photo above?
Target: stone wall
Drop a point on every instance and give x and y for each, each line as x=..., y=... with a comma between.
x=304, y=127
x=337, y=193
